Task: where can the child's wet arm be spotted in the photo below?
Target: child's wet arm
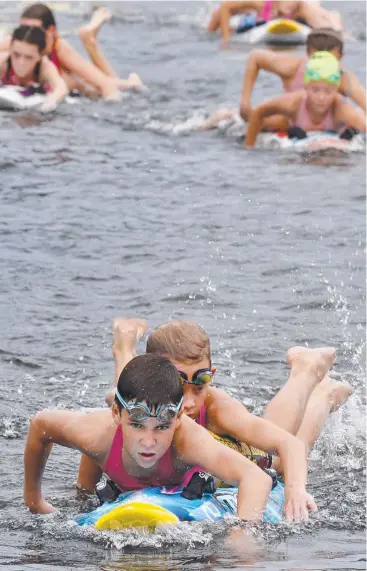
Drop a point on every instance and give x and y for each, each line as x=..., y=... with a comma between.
x=37, y=451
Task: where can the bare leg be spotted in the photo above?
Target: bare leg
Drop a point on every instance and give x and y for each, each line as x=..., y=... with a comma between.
x=76, y=82
x=216, y=117
x=88, y=35
x=308, y=368
x=327, y=397
x=273, y=124
x=126, y=334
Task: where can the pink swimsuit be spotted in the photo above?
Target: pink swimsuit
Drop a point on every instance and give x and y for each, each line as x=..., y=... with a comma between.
x=202, y=420
x=114, y=468
x=304, y=122
x=10, y=78
x=54, y=57
x=266, y=15
x=297, y=82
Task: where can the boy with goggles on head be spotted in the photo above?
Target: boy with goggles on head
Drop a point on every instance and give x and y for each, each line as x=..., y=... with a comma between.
x=292, y=421
x=146, y=441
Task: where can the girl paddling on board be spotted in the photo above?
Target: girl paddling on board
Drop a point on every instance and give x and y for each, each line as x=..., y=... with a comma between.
x=259, y=12
x=77, y=71
x=146, y=440
x=316, y=107
x=25, y=66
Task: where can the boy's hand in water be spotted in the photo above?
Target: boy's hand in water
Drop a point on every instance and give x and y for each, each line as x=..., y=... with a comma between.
x=297, y=504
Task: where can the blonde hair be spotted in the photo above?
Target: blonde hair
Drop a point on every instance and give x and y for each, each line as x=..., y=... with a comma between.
x=182, y=341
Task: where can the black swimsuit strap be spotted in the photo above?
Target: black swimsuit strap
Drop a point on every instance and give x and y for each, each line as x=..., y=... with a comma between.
x=37, y=71
x=8, y=69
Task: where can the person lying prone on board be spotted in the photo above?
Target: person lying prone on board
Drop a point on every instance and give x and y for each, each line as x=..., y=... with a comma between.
x=145, y=440
x=97, y=78
x=317, y=107
x=299, y=409
x=290, y=69
x=25, y=66
x=310, y=13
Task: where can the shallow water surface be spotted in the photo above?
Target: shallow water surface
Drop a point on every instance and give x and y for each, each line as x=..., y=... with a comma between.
x=123, y=209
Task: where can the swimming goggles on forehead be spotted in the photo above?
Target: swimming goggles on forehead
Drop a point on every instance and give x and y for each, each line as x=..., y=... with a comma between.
x=200, y=377
x=140, y=411
x=332, y=78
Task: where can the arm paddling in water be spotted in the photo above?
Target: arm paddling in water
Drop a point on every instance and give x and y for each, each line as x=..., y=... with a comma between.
x=51, y=77
x=196, y=447
x=283, y=65
x=221, y=17
x=286, y=105
x=350, y=86
x=55, y=427
x=346, y=114
x=228, y=416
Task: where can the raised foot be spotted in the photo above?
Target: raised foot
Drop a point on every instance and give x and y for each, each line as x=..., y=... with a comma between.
x=311, y=361
x=338, y=392
x=90, y=30
x=126, y=333
x=136, y=83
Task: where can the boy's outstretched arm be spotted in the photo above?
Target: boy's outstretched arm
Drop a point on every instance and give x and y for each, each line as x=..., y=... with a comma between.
x=283, y=65
x=227, y=9
x=283, y=105
x=48, y=428
x=36, y=453
x=348, y=115
x=196, y=447
x=232, y=417
x=350, y=86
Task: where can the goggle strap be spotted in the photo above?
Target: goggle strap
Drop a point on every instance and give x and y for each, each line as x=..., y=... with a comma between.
x=175, y=407
x=119, y=398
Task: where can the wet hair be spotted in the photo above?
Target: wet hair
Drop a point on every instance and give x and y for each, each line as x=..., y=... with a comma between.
x=152, y=379
x=40, y=12
x=182, y=341
x=325, y=39
x=31, y=35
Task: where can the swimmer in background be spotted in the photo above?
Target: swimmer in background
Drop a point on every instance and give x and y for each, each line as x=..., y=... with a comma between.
x=290, y=69
x=316, y=107
x=77, y=71
x=259, y=12
x=300, y=408
x=25, y=66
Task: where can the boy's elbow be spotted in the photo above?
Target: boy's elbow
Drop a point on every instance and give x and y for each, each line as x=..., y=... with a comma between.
x=262, y=479
x=37, y=425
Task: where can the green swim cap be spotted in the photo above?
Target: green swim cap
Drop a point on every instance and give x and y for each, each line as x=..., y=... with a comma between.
x=322, y=66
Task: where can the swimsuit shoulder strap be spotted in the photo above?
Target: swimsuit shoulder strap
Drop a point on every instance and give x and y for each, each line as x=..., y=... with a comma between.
x=7, y=75
x=37, y=72
x=266, y=13
x=114, y=455
x=302, y=116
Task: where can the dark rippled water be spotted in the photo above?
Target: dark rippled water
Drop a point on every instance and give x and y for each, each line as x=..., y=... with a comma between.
x=107, y=210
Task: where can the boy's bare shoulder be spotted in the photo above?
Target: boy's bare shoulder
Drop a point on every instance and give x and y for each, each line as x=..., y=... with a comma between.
x=216, y=395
